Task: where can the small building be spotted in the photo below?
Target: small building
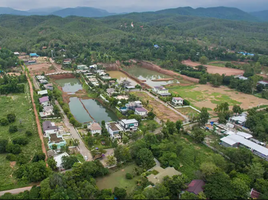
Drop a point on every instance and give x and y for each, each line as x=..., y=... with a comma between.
x=31, y=61
x=265, y=83
x=42, y=92
x=49, y=128
x=93, y=66
x=244, y=135
x=47, y=111
x=39, y=77
x=54, y=139
x=160, y=90
x=43, y=81
x=129, y=124
x=158, y=178
x=156, y=46
x=110, y=91
x=34, y=55
x=58, y=159
x=44, y=101
x=196, y=186
x=241, y=119
x=16, y=53
x=82, y=67
x=94, y=128
x=67, y=61
x=240, y=77
x=177, y=101
x=114, y=129
x=141, y=112
x=49, y=86
x=254, y=194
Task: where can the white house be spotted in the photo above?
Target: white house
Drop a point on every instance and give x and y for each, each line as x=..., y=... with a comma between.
x=113, y=129
x=16, y=53
x=94, y=128
x=141, y=111
x=161, y=91
x=49, y=128
x=129, y=124
x=58, y=159
x=47, y=111
x=93, y=66
x=42, y=92
x=177, y=101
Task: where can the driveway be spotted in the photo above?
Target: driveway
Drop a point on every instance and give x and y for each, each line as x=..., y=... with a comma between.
x=81, y=147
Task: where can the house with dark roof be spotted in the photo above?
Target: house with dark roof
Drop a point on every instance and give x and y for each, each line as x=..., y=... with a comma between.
x=196, y=186
x=49, y=128
x=141, y=112
x=55, y=139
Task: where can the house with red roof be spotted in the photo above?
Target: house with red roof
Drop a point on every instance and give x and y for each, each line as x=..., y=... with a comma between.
x=196, y=186
x=177, y=101
x=254, y=194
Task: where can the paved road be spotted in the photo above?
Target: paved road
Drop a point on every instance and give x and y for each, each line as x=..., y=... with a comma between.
x=16, y=191
x=82, y=148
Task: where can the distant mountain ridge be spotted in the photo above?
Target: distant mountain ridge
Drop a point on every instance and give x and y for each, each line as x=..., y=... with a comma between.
x=212, y=12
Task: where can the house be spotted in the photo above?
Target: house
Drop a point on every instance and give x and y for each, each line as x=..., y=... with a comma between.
x=67, y=61
x=141, y=111
x=235, y=140
x=49, y=86
x=40, y=77
x=47, y=111
x=34, y=55
x=265, y=83
x=114, y=129
x=44, y=101
x=156, y=46
x=49, y=128
x=110, y=91
x=129, y=124
x=94, y=128
x=16, y=53
x=42, y=92
x=134, y=104
x=58, y=159
x=196, y=186
x=177, y=101
x=160, y=90
x=241, y=119
x=254, y=194
x=93, y=66
x=240, y=77
x=158, y=178
x=82, y=67
x=43, y=81
x=54, y=139
x=31, y=61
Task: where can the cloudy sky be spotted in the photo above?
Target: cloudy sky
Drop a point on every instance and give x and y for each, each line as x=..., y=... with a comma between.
x=135, y=5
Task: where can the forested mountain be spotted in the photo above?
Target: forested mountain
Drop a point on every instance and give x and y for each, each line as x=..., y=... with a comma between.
x=261, y=15
x=215, y=12
x=11, y=11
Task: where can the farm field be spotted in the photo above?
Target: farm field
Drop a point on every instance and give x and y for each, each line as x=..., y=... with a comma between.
x=20, y=105
x=211, y=69
x=209, y=97
x=161, y=111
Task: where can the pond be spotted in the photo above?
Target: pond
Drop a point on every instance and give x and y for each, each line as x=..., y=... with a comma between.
x=69, y=85
x=120, y=76
x=78, y=110
x=149, y=75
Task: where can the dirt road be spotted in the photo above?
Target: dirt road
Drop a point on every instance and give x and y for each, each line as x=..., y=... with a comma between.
x=40, y=132
x=16, y=191
x=82, y=148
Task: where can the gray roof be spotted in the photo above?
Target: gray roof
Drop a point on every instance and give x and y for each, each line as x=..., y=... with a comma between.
x=48, y=126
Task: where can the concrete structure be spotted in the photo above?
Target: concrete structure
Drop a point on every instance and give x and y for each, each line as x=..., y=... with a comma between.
x=82, y=67
x=113, y=129
x=55, y=139
x=141, y=111
x=16, y=53
x=158, y=178
x=129, y=124
x=94, y=128
x=177, y=101
x=196, y=186
x=43, y=81
x=40, y=77
x=110, y=91
x=42, y=92
x=49, y=86
x=49, y=128
x=236, y=140
x=58, y=159
x=160, y=90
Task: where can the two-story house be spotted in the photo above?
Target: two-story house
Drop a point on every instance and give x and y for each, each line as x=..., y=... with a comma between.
x=49, y=128
x=129, y=124
x=177, y=101
x=94, y=128
x=113, y=129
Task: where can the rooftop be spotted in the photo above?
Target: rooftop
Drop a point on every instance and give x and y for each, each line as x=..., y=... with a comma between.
x=241, y=118
x=140, y=109
x=43, y=99
x=58, y=158
x=94, y=127
x=178, y=98
x=129, y=121
x=53, y=138
x=114, y=126
x=42, y=92
x=47, y=125
x=196, y=186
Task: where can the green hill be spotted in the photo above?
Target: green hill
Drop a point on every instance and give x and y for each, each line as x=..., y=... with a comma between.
x=261, y=15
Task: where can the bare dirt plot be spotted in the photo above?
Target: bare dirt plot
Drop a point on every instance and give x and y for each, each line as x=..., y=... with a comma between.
x=40, y=68
x=161, y=111
x=214, y=69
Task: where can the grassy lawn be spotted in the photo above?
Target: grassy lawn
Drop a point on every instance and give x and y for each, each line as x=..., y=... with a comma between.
x=188, y=111
x=185, y=92
x=118, y=179
x=20, y=105
x=151, y=124
x=221, y=98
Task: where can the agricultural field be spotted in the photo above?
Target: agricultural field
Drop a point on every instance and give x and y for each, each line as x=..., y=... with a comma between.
x=20, y=105
x=161, y=111
x=209, y=97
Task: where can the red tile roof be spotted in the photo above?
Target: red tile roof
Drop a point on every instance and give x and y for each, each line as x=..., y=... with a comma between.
x=196, y=186
x=254, y=194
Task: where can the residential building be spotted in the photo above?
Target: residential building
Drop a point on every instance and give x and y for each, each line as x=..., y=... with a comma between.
x=160, y=90
x=133, y=104
x=49, y=128
x=42, y=92
x=114, y=129
x=196, y=186
x=265, y=83
x=82, y=67
x=43, y=81
x=141, y=111
x=94, y=128
x=34, y=55
x=67, y=61
x=44, y=101
x=40, y=77
x=16, y=53
x=31, y=61
x=158, y=178
x=240, y=77
x=241, y=119
x=49, y=86
x=129, y=124
x=47, y=111
x=254, y=194
x=110, y=91
x=58, y=159
x=93, y=66
x=236, y=140
x=54, y=139
x=177, y=101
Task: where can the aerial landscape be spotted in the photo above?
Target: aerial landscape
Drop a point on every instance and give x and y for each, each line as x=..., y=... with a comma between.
x=141, y=100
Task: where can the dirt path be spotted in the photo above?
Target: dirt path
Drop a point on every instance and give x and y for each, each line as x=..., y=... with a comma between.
x=37, y=118
x=16, y=191
x=86, y=109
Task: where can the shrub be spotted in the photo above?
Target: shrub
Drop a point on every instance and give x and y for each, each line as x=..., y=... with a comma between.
x=3, y=145
x=186, y=102
x=129, y=176
x=39, y=156
x=13, y=148
x=13, y=129
x=20, y=141
x=11, y=157
x=22, y=159
x=11, y=117
x=3, y=122
x=28, y=133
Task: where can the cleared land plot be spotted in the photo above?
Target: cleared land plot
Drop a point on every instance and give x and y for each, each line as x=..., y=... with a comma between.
x=209, y=97
x=118, y=179
x=20, y=105
x=188, y=111
x=215, y=69
x=40, y=68
x=160, y=110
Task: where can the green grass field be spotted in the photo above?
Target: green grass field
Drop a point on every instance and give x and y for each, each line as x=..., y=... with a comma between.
x=21, y=106
x=188, y=111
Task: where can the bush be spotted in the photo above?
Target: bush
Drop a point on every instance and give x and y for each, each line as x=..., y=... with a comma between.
x=28, y=133
x=13, y=129
x=11, y=157
x=13, y=148
x=3, y=145
x=22, y=159
x=186, y=102
x=11, y=118
x=3, y=122
x=20, y=141
x=129, y=176
x=39, y=156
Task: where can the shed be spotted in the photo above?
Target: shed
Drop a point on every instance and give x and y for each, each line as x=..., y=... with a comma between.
x=42, y=92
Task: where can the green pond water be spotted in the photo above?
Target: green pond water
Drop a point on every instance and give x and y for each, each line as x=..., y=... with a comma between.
x=149, y=75
x=70, y=85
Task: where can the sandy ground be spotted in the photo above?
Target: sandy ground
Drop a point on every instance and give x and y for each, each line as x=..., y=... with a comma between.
x=161, y=111
x=215, y=69
x=247, y=100
x=40, y=68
